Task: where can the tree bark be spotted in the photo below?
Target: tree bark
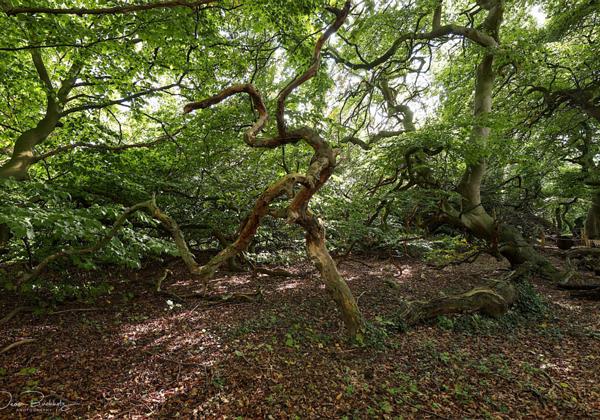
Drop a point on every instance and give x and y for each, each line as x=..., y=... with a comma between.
x=22, y=156
x=506, y=239
x=518, y=251
x=493, y=301
x=319, y=170
x=592, y=222
x=334, y=283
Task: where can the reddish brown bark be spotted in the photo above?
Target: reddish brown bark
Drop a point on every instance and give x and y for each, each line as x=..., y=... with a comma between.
x=300, y=187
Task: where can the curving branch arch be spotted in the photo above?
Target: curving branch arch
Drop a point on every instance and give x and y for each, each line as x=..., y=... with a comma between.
x=299, y=188
x=115, y=10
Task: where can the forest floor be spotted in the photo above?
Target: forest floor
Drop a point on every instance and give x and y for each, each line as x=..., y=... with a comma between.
x=139, y=354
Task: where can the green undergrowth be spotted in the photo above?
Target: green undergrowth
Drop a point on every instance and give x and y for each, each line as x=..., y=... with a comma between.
x=530, y=307
x=379, y=332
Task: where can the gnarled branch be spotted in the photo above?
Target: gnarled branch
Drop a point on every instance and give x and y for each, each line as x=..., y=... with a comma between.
x=320, y=169
x=341, y=16
x=98, y=147
x=474, y=35
x=116, y=10
x=149, y=206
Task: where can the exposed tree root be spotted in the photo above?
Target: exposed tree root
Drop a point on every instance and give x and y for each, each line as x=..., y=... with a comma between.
x=494, y=301
x=16, y=344
x=579, y=283
x=583, y=287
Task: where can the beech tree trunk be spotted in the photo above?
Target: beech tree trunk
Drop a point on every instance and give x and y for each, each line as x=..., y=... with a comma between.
x=509, y=242
x=320, y=169
x=334, y=283
x=592, y=222
x=22, y=156
x=493, y=299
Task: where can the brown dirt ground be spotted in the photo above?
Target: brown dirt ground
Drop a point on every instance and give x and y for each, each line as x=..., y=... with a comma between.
x=285, y=355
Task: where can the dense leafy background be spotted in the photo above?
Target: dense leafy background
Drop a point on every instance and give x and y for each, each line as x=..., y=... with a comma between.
x=207, y=178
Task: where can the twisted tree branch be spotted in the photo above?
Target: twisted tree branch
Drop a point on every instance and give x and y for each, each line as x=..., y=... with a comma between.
x=320, y=169
x=116, y=10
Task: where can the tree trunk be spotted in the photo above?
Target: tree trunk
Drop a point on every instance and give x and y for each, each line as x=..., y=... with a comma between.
x=508, y=241
x=320, y=169
x=334, y=283
x=22, y=156
x=592, y=222
x=518, y=251
x=493, y=299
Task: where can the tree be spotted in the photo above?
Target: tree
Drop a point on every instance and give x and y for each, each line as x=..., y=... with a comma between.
x=422, y=122
x=84, y=68
x=470, y=212
x=565, y=83
x=320, y=169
